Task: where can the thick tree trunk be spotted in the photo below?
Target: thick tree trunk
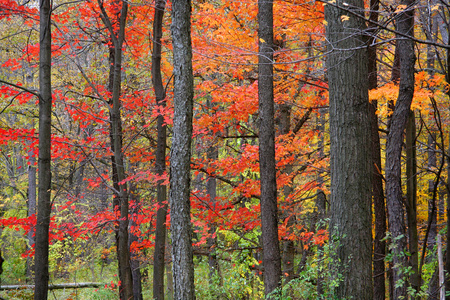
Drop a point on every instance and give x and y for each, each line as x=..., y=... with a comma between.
x=160, y=161
x=269, y=210
x=350, y=225
x=180, y=156
x=44, y=207
x=394, y=197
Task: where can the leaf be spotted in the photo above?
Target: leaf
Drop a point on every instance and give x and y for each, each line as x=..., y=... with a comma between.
x=345, y=18
x=400, y=8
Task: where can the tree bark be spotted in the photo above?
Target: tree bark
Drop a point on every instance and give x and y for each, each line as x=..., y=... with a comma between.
x=394, y=197
x=160, y=161
x=350, y=223
x=269, y=209
x=180, y=157
x=44, y=206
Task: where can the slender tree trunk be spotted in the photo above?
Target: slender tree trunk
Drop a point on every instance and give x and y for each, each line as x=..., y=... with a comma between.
x=351, y=218
x=433, y=289
x=44, y=207
x=411, y=200
x=180, y=157
x=134, y=256
x=288, y=254
x=379, y=245
x=447, y=252
x=118, y=165
x=430, y=28
x=160, y=230
x=394, y=197
x=211, y=191
x=269, y=210
x=31, y=207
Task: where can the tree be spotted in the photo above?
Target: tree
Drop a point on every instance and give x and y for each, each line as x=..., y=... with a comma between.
x=160, y=163
x=44, y=206
x=269, y=209
x=180, y=154
x=350, y=225
x=394, y=197
x=118, y=164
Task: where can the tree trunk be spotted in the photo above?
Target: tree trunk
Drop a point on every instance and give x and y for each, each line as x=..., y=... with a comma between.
x=269, y=210
x=118, y=166
x=211, y=191
x=350, y=223
x=411, y=200
x=447, y=252
x=160, y=161
x=379, y=245
x=31, y=208
x=134, y=256
x=394, y=197
x=288, y=246
x=44, y=207
x=180, y=157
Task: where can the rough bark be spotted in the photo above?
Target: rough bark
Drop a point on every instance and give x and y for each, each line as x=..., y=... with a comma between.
x=350, y=220
x=180, y=156
x=44, y=207
x=160, y=161
x=394, y=197
x=269, y=210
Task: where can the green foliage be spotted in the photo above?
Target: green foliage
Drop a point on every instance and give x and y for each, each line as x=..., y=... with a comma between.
x=22, y=294
x=407, y=271
x=100, y=294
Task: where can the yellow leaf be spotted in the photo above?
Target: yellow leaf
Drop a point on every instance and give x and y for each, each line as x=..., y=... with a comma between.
x=400, y=8
x=262, y=40
x=325, y=22
x=345, y=18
